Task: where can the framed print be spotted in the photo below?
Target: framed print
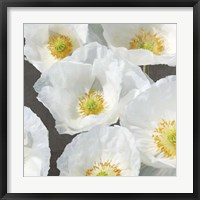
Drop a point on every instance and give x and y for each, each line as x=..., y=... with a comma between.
x=99, y=100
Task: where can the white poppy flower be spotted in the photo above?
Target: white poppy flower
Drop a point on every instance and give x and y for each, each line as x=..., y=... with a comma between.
x=103, y=151
x=133, y=78
x=151, y=171
x=143, y=44
x=87, y=89
x=36, y=145
x=46, y=44
x=151, y=117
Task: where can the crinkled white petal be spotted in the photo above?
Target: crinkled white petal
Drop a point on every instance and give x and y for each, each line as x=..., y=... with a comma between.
x=151, y=171
x=90, y=67
x=61, y=87
x=145, y=57
x=36, y=145
x=133, y=79
x=39, y=56
x=101, y=144
x=145, y=112
x=89, y=53
x=118, y=37
x=76, y=32
x=37, y=37
x=31, y=32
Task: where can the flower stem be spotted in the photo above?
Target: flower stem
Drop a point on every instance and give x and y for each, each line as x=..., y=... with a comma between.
x=146, y=69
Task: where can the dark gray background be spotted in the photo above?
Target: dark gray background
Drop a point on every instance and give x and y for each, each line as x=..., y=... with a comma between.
x=58, y=142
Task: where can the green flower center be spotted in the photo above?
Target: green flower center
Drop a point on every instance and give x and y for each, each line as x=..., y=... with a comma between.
x=102, y=173
x=104, y=169
x=172, y=136
x=91, y=103
x=59, y=46
x=148, y=41
x=165, y=138
x=146, y=45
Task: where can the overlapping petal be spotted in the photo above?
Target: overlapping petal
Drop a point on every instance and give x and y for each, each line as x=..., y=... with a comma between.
x=151, y=117
x=143, y=44
x=70, y=87
x=87, y=87
x=103, y=151
x=133, y=79
x=36, y=145
x=46, y=44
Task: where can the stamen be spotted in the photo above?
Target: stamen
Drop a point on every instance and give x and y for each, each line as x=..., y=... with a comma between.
x=165, y=138
x=148, y=41
x=60, y=46
x=104, y=169
x=91, y=103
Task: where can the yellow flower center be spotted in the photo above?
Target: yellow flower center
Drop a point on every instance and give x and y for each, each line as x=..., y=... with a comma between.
x=91, y=103
x=148, y=41
x=165, y=138
x=60, y=46
x=104, y=169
